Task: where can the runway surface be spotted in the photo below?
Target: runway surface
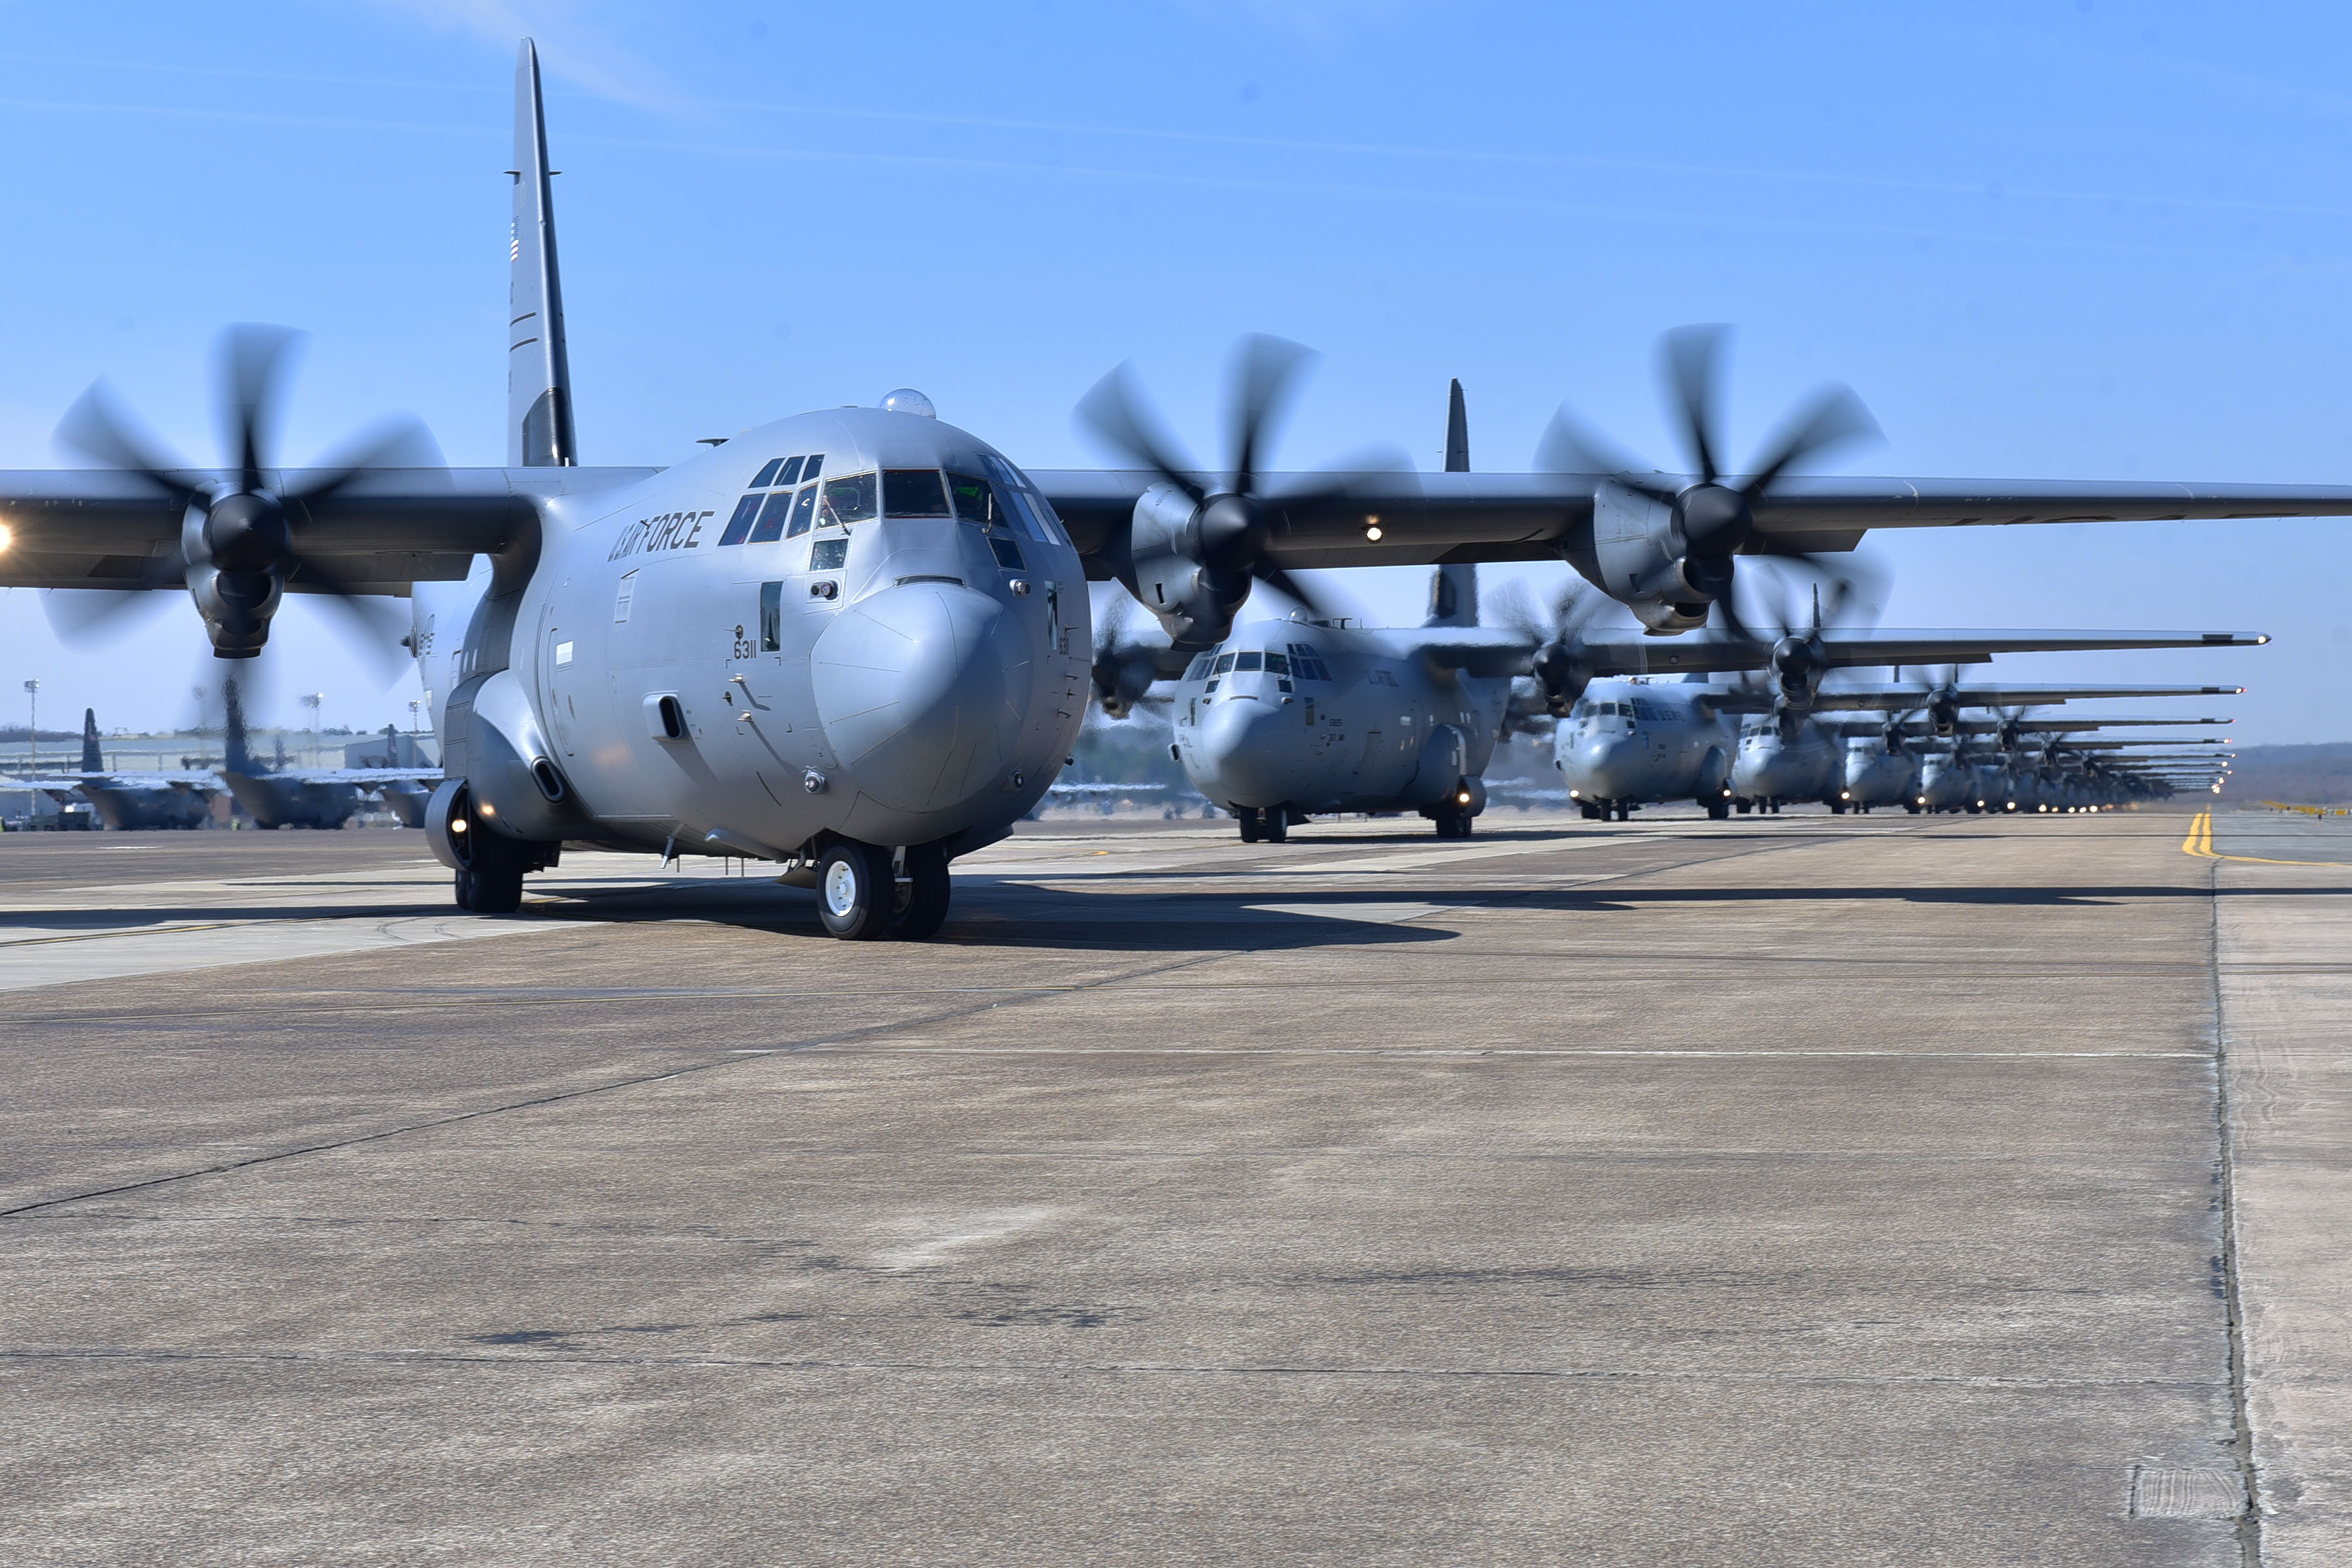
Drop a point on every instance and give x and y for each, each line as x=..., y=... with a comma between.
x=1794, y=1190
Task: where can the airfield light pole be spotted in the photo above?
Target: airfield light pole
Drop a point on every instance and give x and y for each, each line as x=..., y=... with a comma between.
x=32, y=727
x=311, y=700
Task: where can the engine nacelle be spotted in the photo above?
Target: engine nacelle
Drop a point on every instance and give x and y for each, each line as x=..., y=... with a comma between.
x=236, y=607
x=1640, y=558
x=1163, y=568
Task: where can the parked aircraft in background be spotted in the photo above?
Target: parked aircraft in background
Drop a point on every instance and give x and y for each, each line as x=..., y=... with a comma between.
x=129, y=800
x=276, y=796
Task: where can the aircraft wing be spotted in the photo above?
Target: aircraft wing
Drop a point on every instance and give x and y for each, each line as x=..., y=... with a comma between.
x=361, y=777
x=80, y=528
x=1902, y=696
x=1629, y=653
x=1408, y=518
x=114, y=781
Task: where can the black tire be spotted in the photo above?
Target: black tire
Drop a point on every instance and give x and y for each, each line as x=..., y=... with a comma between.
x=1275, y=825
x=1592, y=813
x=1624, y=811
x=491, y=883
x=1247, y=816
x=1718, y=811
x=855, y=891
x=920, y=906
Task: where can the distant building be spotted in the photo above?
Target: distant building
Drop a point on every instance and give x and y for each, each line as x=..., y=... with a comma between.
x=393, y=749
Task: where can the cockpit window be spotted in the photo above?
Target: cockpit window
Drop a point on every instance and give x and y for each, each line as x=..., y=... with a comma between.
x=972, y=499
x=1250, y=661
x=740, y=524
x=809, y=469
x=791, y=474
x=804, y=512
x=913, y=493
x=1276, y=664
x=771, y=525
x=849, y=499
x=1021, y=498
x=767, y=475
x=1224, y=663
x=1200, y=670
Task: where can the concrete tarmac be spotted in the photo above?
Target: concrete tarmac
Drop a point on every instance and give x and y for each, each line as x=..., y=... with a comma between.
x=1793, y=1190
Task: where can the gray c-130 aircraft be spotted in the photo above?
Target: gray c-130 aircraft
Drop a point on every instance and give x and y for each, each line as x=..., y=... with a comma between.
x=893, y=680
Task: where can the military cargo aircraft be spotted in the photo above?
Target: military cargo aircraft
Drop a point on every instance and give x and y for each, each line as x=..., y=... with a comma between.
x=276, y=796
x=855, y=642
x=128, y=801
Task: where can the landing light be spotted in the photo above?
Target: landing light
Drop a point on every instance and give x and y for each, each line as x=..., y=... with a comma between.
x=8, y=537
x=458, y=826
x=1371, y=527
x=1573, y=793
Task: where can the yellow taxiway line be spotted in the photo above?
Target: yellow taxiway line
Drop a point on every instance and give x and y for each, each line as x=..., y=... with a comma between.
x=2200, y=841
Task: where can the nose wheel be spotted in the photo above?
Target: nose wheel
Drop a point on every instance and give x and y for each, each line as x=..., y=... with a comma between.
x=1269, y=826
x=860, y=896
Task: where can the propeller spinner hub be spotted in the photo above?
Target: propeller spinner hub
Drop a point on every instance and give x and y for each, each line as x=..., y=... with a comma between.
x=1230, y=533
x=247, y=532
x=1716, y=519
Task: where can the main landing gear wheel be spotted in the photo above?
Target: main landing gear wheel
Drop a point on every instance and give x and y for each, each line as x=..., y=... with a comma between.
x=921, y=907
x=854, y=891
x=1716, y=811
x=491, y=883
x=1452, y=824
x=1247, y=816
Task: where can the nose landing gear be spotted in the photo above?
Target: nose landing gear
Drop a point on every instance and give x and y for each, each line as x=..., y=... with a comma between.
x=861, y=896
x=1270, y=825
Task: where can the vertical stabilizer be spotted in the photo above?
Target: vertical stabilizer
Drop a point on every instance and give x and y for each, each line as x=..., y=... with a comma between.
x=538, y=372
x=92, y=762
x=1454, y=591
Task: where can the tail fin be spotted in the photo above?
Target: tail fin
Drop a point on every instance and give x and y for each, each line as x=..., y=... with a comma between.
x=1454, y=591
x=234, y=757
x=92, y=762
x=538, y=372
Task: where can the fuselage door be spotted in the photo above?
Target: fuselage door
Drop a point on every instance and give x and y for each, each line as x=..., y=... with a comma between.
x=558, y=682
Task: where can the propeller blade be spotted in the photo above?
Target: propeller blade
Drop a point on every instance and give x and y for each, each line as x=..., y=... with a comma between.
x=398, y=442
x=100, y=429
x=1117, y=415
x=1570, y=445
x=252, y=367
x=1834, y=418
x=1693, y=355
x=1282, y=582
x=375, y=628
x=84, y=617
x=1265, y=375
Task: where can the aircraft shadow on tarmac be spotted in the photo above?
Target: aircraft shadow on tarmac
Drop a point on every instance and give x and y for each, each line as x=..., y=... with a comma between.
x=1024, y=916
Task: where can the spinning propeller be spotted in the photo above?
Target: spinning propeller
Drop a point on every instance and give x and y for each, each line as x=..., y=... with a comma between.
x=1557, y=628
x=237, y=550
x=1714, y=518
x=1124, y=668
x=1229, y=533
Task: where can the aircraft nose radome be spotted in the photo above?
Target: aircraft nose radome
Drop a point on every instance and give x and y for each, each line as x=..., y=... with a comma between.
x=1241, y=746
x=1598, y=768
x=922, y=690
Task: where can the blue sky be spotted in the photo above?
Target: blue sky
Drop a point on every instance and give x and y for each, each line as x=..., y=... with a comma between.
x=2041, y=240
